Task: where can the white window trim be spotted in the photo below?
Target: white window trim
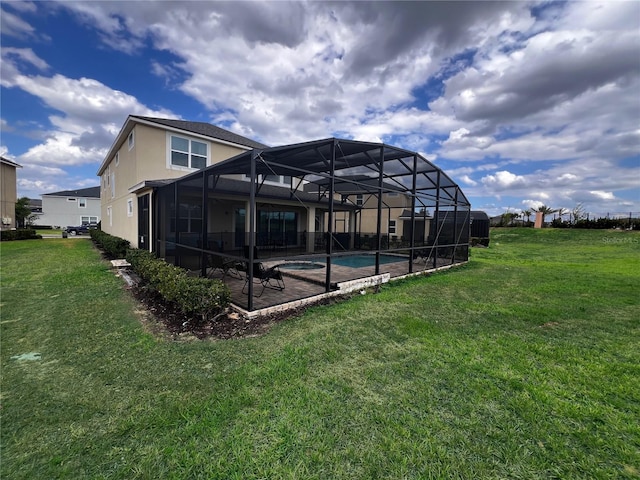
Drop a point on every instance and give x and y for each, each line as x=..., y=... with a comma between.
x=171, y=166
x=131, y=140
x=82, y=201
x=129, y=207
x=110, y=215
x=393, y=225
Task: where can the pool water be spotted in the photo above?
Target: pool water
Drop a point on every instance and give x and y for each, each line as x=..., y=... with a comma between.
x=357, y=261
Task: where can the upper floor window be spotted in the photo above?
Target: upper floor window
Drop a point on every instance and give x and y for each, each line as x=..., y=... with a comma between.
x=188, y=153
x=359, y=199
x=71, y=199
x=82, y=202
x=131, y=140
x=392, y=227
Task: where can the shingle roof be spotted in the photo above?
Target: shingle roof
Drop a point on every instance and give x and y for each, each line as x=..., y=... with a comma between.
x=9, y=162
x=203, y=128
x=91, y=192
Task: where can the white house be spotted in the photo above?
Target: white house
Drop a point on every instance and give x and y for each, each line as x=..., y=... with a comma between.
x=70, y=207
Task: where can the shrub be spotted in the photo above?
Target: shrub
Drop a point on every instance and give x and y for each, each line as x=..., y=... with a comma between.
x=114, y=247
x=19, y=234
x=194, y=296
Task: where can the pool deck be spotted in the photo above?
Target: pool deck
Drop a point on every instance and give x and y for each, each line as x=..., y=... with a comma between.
x=308, y=286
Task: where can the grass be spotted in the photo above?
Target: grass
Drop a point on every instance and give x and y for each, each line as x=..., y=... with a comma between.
x=522, y=364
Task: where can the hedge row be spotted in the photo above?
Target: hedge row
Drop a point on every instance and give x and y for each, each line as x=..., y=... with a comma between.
x=114, y=247
x=194, y=296
x=19, y=234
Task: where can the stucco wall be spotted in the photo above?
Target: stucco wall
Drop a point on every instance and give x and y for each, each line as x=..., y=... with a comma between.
x=8, y=194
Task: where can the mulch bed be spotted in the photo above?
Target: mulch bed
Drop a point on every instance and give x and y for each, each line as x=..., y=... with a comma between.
x=175, y=324
x=225, y=326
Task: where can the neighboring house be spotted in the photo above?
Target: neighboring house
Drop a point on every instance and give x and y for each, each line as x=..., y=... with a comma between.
x=8, y=193
x=35, y=205
x=395, y=218
x=152, y=149
x=70, y=207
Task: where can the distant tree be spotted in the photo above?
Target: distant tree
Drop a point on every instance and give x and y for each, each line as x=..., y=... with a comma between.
x=24, y=216
x=578, y=213
x=561, y=212
x=508, y=218
x=22, y=211
x=527, y=213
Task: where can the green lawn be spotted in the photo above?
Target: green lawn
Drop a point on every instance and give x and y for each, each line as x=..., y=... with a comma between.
x=525, y=363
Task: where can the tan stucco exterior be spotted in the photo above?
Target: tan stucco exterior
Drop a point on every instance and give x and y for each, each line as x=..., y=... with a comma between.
x=148, y=159
x=8, y=193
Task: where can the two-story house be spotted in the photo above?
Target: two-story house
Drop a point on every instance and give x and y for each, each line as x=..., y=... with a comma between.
x=70, y=207
x=147, y=152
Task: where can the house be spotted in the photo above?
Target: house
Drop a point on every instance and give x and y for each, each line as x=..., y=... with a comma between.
x=70, y=207
x=190, y=191
x=8, y=193
x=156, y=149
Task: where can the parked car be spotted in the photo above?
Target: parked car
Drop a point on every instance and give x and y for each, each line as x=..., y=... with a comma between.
x=80, y=230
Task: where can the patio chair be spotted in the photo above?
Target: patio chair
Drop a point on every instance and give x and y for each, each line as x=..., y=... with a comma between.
x=225, y=265
x=268, y=277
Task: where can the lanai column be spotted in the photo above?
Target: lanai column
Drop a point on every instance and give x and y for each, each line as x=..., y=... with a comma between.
x=352, y=229
x=311, y=227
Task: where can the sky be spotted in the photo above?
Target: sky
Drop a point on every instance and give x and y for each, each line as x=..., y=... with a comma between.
x=521, y=103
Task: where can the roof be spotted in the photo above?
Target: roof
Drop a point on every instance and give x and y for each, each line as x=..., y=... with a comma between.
x=206, y=129
x=6, y=161
x=202, y=129
x=232, y=186
x=91, y=192
x=351, y=159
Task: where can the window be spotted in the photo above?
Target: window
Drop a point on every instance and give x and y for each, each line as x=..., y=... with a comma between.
x=392, y=227
x=118, y=158
x=188, y=153
x=82, y=202
x=359, y=199
x=130, y=207
x=71, y=199
x=113, y=185
x=109, y=211
x=89, y=220
x=130, y=140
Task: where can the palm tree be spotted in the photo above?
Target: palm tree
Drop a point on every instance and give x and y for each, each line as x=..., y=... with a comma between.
x=544, y=210
x=561, y=212
x=527, y=213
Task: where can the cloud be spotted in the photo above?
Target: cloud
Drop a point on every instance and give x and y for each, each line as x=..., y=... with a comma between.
x=504, y=180
x=599, y=194
x=14, y=26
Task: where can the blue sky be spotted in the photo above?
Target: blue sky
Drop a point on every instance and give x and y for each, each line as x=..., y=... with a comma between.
x=521, y=103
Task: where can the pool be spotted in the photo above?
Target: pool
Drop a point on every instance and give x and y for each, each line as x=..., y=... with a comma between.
x=357, y=261
x=301, y=266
